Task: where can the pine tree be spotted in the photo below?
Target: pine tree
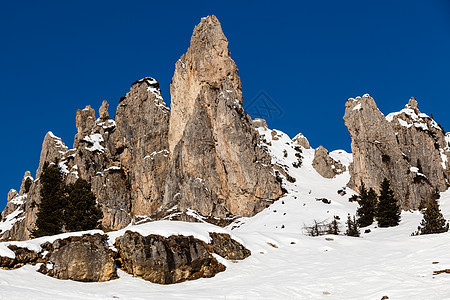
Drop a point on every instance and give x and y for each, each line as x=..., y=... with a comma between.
x=433, y=221
x=50, y=218
x=81, y=212
x=388, y=210
x=333, y=227
x=367, y=203
x=352, y=227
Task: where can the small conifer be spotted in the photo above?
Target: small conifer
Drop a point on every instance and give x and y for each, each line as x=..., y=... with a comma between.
x=388, y=210
x=367, y=205
x=352, y=227
x=433, y=221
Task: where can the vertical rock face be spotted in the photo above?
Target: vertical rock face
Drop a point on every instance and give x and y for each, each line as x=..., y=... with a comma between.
x=217, y=168
x=409, y=148
x=141, y=144
x=325, y=165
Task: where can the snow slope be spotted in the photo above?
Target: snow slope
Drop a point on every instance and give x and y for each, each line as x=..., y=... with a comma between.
x=285, y=263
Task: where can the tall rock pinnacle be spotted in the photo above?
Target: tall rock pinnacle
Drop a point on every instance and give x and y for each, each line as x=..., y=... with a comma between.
x=217, y=167
x=206, y=63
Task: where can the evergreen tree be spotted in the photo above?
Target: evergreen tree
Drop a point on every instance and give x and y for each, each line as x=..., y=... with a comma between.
x=333, y=227
x=81, y=212
x=388, y=210
x=352, y=227
x=367, y=204
x=50, y=217
x=433, y=221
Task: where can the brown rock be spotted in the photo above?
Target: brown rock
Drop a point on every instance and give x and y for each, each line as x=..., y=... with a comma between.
x=85, y=258
x=302, y=141
x=217, y=169
x=391, y=147
x=166, y=260
x=325, y=165
x=23, y=256
x=228, y=248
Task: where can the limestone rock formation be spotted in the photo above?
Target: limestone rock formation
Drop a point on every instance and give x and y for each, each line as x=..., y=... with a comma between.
x=141, y=144
x=302, y=141
x=166, y=260
x=216, y=169
x=409, y=148
x=85, y=258
x=150, y=161
x=325, y=165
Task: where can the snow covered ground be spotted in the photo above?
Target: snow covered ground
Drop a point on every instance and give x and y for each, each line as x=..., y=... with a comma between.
x=285, y=263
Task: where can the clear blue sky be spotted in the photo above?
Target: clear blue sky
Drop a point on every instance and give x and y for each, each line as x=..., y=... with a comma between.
x=307, y=56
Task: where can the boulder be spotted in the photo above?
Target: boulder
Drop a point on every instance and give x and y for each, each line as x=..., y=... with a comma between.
x=166, y=260
x=227, y=247
x=86, y=258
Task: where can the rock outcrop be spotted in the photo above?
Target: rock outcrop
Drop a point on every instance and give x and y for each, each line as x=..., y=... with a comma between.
x=408, y=148
x=152, y=162
x=302, y=141
x=325, y=165
x=22, y=256
x=85, y=258
x=216, y=169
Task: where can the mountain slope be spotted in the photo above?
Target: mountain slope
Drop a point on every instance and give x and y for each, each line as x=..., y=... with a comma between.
x=285, y=263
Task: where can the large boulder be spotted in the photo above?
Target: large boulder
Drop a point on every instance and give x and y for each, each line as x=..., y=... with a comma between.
x=86, y=258
x=166, y=260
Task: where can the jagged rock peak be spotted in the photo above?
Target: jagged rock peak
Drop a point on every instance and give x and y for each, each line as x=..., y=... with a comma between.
x=412, y=103
x=260, y=123
x=151, y=86
x=12, y=194
x=302, y=141
x=53, y=149
x=212, y=141
x=23, y=187
x=207, y=62
x=85, y=121
x=103, y=111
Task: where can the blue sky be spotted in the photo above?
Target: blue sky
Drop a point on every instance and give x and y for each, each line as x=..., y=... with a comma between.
x=307, y=57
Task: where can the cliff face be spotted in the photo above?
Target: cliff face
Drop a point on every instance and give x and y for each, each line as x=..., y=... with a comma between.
x=151, y=162
x=409, y=148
